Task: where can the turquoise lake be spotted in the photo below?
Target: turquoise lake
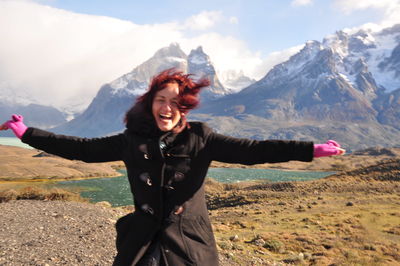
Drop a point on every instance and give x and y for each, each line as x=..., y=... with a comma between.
x=13, y=142
x=117, y=192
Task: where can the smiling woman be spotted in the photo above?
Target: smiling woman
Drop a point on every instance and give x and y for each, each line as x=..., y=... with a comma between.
x=170, y=97
x=166, y=107
x=167, y=159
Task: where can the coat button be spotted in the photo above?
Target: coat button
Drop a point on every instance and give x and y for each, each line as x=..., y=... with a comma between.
x=169, y=187
x=178, y=210
x=145, y=177
x=143, y=148
x=178, y=176
x=146, y=208
x=163, y=146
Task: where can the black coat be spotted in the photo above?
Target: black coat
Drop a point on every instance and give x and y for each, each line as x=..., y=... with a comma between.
x=165, y=173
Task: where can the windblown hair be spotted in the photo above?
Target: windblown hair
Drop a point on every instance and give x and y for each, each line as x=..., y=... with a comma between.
x=188, y=97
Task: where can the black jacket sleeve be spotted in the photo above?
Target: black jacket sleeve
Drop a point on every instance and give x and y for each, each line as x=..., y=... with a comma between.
x=245, y=151
x=88, y=150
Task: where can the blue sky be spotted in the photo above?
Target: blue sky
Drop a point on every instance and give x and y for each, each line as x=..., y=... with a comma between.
x=54, y=50
x=265, y=25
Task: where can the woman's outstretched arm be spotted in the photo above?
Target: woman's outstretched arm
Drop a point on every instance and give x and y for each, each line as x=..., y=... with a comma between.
x=246, y=151
x=69, y=147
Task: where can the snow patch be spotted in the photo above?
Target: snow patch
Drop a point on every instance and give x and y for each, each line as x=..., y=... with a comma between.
x=175, y=59
x=384, y=47
x=349, y=78
x=198, y=60
x=18, y=97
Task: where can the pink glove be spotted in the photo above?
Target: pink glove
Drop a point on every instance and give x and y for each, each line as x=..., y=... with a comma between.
x=331, y=147
x=16, y=124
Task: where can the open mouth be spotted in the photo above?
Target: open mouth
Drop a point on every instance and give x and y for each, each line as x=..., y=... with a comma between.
x=165, y=117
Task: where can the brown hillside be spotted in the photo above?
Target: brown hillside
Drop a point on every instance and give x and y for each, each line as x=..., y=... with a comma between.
x=19, y=164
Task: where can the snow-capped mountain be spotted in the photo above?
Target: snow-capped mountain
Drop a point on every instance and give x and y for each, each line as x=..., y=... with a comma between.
x=200, y=65
x=379, y=50
x=13, y=102
x=35, y=115
x=106, y=112
x=346, y=70
x=136, y=82
x=345, y=87
x=350, y=78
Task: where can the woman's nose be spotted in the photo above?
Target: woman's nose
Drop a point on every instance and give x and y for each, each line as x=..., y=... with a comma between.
x=167, y=106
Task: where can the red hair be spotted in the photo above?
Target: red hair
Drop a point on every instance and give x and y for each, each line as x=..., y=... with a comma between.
x=188, y=89
x=188, y=92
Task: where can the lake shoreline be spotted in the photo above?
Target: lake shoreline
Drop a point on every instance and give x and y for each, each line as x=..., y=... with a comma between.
x=30, y=164
x=55, y=179
x=9, y=180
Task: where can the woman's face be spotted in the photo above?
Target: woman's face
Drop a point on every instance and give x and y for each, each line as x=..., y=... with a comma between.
x=165, y=107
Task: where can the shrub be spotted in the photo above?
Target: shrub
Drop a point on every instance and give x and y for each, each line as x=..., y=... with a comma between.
x=273, y=245
x=33, y=193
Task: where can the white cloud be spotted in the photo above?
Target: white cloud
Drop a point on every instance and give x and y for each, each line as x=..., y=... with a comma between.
x=57, y=55
x=203, y=20
x=349, y=6
x=301, y=2
x=233, y=55
x=273, y=59
x=390, y=8
x=225, y=52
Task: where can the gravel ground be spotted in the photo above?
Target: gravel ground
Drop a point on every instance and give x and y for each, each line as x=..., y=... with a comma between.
x=58, y=233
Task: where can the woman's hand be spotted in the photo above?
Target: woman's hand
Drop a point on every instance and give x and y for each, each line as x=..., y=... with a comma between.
x=329, y=148
x=16, y=124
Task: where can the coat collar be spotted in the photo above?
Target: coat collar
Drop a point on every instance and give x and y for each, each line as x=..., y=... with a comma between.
x=139, y=122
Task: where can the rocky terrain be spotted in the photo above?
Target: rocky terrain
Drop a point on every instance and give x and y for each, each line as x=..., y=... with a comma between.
x=351, y=218
x=56, y=233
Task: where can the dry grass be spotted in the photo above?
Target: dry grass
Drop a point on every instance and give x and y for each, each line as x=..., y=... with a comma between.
x=352, y=218
x=35, y=193
x=19, y=164
x=312, y=230
x=337, y=163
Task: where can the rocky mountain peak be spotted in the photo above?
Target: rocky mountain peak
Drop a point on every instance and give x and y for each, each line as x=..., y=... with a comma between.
x=106, y=112
x=309, y=51
x=173, y=50
x=199, y=50
x=198, y=57
x=200, y=65
x=338, y=43
x=136, y=81
x=393, y=30
x=292, y=66
x=345, y=87
x=360, y=41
